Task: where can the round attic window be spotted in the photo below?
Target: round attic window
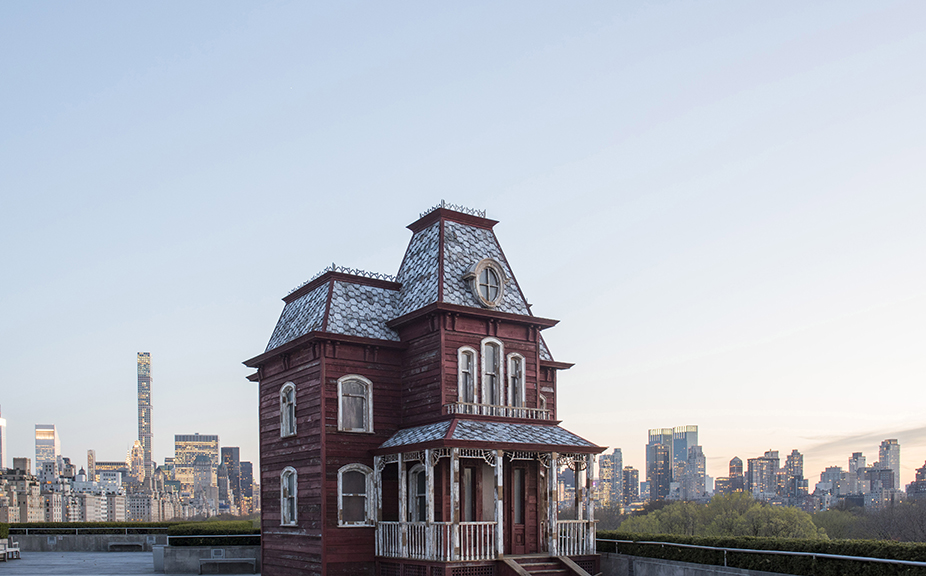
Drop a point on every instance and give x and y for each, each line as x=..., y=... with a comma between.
x=487, y=281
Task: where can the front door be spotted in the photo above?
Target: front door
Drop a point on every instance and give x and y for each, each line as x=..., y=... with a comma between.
x=518, y=538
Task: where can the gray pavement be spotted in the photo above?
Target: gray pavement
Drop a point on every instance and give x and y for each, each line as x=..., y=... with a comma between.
x=79, y=564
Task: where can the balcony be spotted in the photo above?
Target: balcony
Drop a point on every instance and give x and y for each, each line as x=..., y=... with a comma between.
x=473, y=409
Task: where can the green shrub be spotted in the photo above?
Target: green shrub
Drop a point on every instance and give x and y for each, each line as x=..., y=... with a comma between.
x=4, y=531
x=799, y=565
x=213, y=533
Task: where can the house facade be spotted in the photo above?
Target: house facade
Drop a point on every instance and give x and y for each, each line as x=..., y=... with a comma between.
x=408, y=424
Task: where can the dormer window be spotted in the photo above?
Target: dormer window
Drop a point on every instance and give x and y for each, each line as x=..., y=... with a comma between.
x=487, y=282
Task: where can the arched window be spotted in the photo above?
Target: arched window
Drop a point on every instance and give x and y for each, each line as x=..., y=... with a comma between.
x=492, y=374
x=417, y=494
x=288, y=409
x=466, y=375
x=288, y=497
x=355, y=490
x=355, y=404
x=515, y=380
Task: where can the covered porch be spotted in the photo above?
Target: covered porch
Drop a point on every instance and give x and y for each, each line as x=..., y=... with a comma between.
x=468, y=504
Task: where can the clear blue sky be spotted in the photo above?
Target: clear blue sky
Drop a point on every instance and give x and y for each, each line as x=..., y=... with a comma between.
x=722, y=201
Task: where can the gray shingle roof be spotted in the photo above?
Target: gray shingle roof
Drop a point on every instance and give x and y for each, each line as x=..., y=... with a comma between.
x=490, y=433
x=419, y=270
x=464, y=246
x=300, y=317
x=361, y=310
x=358, y=309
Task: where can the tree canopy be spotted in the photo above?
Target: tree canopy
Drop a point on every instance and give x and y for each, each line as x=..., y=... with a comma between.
x=736, y=514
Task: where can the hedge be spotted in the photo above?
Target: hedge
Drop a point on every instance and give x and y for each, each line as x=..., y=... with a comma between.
x=798, y=565
x=228, y=527
x=4, y=531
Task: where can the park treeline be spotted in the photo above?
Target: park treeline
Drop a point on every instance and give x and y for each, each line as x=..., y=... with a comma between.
x=739, y=514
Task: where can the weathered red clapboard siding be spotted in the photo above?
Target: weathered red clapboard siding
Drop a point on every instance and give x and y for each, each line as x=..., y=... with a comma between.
x=421, y=378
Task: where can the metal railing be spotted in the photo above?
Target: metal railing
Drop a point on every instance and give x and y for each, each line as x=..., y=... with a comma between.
x=86, y=531
x=812, y=555
x=475, y=409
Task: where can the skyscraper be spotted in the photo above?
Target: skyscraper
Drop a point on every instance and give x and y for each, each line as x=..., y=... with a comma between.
x=186, y=448
x=232, y=461
x=659, y=474
x=889, y=459
x=2, y=443
x=144, y=409
x=856, y=462
x=683, y=438
x=737, y=482
x=247, y=488
x=631, y=485
x=47, y=444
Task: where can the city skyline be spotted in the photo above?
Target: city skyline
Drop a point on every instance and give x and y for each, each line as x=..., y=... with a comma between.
x=721, y=204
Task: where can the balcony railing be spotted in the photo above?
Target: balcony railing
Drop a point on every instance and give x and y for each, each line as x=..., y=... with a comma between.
x=473, y=409
x=575, y=537
x=434, y=541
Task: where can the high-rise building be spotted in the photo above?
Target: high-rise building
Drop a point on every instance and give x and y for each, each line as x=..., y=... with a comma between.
x=737, y=480
x=694, y=485
x=47, y=444
x=144, y=409
x=3, y=456
x=683, y=438
x=762, y=475
x=856, y=462
x=91, y=465
x=889, y=459
x=659, y=473
x=232, y=461
x=630, y=478
x=186, y=448
x=247, y=489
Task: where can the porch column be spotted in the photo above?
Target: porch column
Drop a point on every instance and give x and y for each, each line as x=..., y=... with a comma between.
x=581, y=487
x=590, y=504
x=553, y=500
x=403, y=503
x=499, y=503
x=378, y=491
x=429, y=490
x=455, y=503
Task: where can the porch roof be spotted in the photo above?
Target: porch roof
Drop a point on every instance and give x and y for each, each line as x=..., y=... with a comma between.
x=488, y=434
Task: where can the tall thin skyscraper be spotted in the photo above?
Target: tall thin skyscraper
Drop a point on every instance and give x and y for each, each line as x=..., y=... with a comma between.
x=2, y=443
x=47, y=444
x=144, y=409
x=232, y=460
x=889, y=458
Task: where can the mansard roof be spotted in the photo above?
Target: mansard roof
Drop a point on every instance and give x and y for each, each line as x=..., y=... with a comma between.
x=469, y=433
x=445, y=244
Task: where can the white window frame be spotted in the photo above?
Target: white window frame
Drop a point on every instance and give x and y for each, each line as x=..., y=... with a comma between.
x=369, y=507
x=463, y=350
x=512, y=400
x=413, y=496
x=501, y=371
x=368, y=416
x=285, y=494
x=287, y=410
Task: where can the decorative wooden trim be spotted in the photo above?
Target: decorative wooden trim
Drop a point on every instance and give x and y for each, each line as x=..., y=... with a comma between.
x=541, y=323
x=452, y=215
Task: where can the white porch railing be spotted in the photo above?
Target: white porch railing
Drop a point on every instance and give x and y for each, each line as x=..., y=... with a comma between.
x=472, y=409
x=575, y=537
x=477, y=540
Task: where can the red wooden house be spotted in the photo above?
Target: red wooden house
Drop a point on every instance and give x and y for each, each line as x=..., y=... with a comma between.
x=408, y=424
